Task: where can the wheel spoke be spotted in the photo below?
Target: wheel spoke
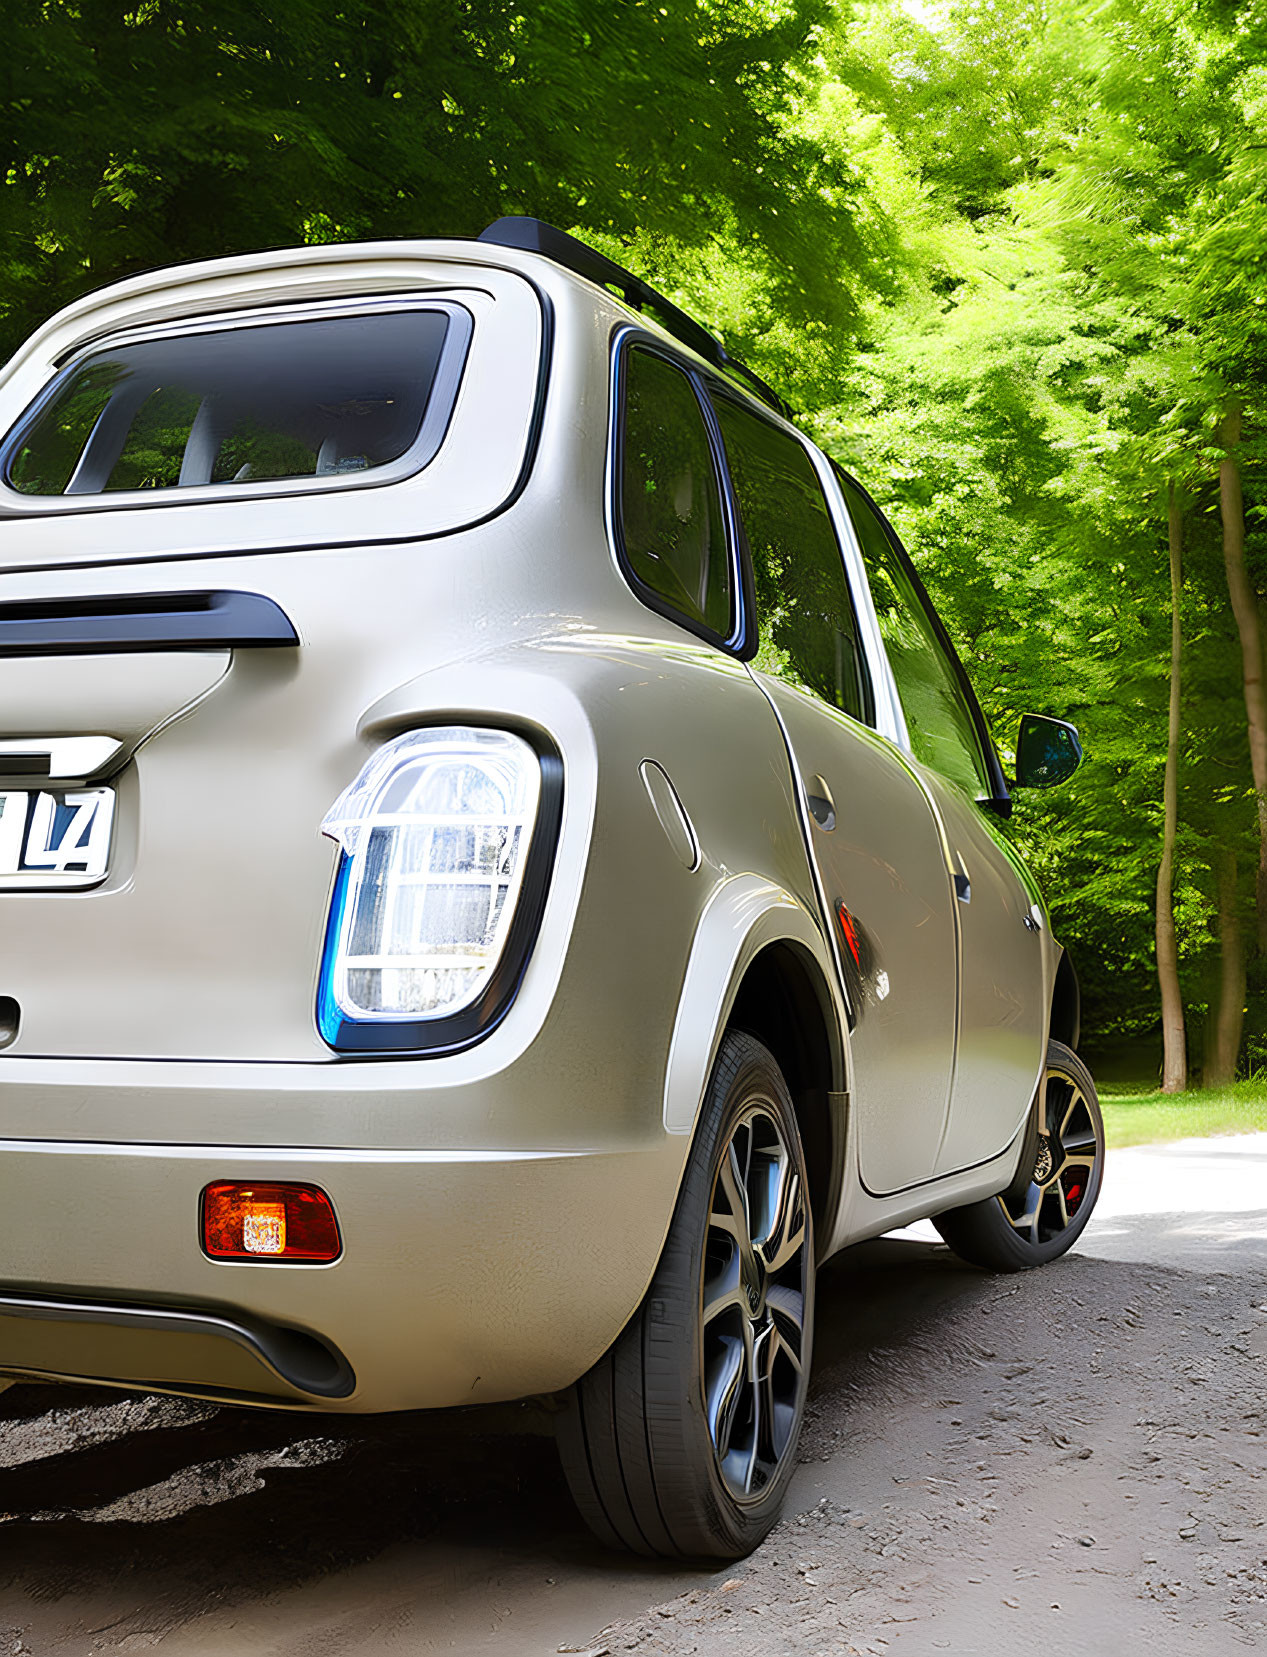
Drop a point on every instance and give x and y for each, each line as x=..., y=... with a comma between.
x=787, y=1307
x=1026, y=1219
x=763, y=1350
x=737, y=1222
x=758, y=1406
x=725, y=1292
x=730, y=1182
x=723, y=1391
x=1083, y=1142
x=749, y=1342
x=1075, y=1100
x=1060, y=1163
x=1059, y=1093
x=787, y=1231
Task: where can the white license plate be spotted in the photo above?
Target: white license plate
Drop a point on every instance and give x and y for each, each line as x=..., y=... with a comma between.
x=54, y=837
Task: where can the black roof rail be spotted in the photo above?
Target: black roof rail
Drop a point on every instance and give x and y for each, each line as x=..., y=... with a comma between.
x=535, y=236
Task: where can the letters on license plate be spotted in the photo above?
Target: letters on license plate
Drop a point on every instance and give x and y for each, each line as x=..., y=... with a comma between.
x=55, y=837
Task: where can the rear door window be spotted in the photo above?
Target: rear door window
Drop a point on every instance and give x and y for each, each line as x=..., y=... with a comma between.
x=943, y=724
x=672, y=526
x=807, y=628
x=243, y=404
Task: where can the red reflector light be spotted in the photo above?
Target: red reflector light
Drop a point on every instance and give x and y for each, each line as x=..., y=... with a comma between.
x=847, y=926
x=252, y=1221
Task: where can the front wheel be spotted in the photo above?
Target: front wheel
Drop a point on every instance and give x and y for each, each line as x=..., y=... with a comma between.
x=682, y=1439
x=1046, y=1207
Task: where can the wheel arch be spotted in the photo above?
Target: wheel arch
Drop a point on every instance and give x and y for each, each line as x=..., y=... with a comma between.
x=1066, y=1004
x=783, y=1002
x=760, y=964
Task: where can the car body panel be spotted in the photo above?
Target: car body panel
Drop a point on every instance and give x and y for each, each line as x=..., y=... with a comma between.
x=883, y=858
x=1005, y=995
x=510, y=1280
x=746, y=914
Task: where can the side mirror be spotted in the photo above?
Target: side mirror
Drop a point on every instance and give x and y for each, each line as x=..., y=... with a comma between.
x=1048, y=751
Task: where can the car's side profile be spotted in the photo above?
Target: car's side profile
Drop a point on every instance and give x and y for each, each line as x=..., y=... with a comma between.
x=501, y=871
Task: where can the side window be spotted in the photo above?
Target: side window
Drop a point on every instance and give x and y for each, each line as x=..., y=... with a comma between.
x=672, y=530
x=939, y=716
x=807, y=628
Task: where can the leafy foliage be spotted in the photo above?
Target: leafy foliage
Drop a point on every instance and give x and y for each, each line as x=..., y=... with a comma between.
x=145, y=133
x=1081, y=189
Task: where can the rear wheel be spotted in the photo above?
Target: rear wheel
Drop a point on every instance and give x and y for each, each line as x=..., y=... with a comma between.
x=682, y=1439
x=1047, y=1206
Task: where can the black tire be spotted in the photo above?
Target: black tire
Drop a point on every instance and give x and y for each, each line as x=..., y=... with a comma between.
x=1044, y=1210
x=681, y=1440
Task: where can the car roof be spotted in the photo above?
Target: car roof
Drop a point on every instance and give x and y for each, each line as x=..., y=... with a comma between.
x=521, y=246
x=535, y=236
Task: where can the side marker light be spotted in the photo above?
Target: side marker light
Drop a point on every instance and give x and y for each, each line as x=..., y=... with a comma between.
x=851, y=937
x=242, y=1220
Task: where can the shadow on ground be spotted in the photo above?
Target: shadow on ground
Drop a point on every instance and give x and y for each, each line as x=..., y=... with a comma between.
x=199, y=1509
x=479, y=1478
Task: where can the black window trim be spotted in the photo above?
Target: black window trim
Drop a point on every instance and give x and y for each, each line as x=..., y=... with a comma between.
x=752, y=630
x=734, y=643
x=1000, y=800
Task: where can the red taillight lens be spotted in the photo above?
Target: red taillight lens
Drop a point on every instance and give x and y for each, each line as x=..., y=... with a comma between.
x=252, y=1221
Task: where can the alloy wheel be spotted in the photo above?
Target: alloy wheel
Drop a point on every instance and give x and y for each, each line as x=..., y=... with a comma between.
x=1064, y=1164
x=756, y=1266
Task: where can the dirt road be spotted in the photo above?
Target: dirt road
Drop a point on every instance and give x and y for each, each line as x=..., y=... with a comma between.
x=1070, y=1460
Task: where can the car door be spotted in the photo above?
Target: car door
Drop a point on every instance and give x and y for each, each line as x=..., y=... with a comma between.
x=875, y=839
x=1002, y=1004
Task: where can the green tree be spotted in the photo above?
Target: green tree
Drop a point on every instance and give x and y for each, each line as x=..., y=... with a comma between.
x=1070, y=185
x=140, y=133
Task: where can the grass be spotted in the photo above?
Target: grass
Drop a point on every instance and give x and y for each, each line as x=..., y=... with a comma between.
x=1149, y=1118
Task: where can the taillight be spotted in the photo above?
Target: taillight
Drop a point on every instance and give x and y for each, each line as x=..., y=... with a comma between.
x=435, y=834
x=249, y=1220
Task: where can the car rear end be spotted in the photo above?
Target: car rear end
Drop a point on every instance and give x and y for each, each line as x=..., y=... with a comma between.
x=285, y=594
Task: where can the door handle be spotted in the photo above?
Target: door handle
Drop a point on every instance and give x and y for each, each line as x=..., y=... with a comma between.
x=959, y=874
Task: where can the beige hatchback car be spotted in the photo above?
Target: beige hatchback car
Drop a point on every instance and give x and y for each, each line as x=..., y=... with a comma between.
x=501, y=871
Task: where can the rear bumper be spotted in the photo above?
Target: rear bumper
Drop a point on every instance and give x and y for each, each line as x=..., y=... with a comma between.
x=231, y=1355
x=465, y=1277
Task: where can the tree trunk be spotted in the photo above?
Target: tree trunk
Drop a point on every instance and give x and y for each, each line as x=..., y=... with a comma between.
x=1245, y=610
x=1220, y=1065
x=1209, y=1033
x=1174, y=1074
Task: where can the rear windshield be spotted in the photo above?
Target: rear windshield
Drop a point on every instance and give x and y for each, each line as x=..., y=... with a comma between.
x=323, y=398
